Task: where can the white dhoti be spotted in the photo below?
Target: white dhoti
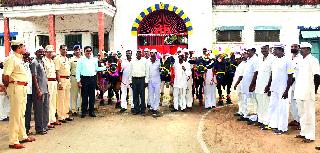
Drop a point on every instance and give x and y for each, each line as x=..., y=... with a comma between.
x=262, y=109
x=252, y=106
x=154, y=95
x=240, y=97
x=179, y=99
x=244, y=105
x=124, y=93
x=189, y=97
x=294, y=108
x=272, y=119
x=4, y=106
x=283, y=114
x=210, y=95
x=307, y=118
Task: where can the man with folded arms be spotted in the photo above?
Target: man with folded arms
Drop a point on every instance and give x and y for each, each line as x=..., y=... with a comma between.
x=15, y=80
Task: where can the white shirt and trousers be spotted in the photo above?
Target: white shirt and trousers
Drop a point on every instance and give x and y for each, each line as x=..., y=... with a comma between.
x=154, y=85
x=125, y=84
x=237, y=74
x=278, y=111
x=139, y=75
x=305, y=95
x=4, y=101
x=210, y=89
x=180, y=84
x=264, y=72
x=250, y=68
x=293, y=102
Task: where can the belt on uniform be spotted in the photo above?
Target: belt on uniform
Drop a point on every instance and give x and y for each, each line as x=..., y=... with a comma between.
x=65, y=77
x=52, y=79
x=221, y=72
x=87, y=76
x=138, y=77
x=19, y=83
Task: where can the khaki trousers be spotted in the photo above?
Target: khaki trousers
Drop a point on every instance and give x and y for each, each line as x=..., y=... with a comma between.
x=52, y=87
x=17, y=97
x=75, y=95
x=63, y=99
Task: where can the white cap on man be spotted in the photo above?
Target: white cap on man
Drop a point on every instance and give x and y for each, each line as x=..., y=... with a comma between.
x=305, y=45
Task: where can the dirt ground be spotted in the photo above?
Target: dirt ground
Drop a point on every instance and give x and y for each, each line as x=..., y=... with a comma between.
x=112, y=132
x=224, y=134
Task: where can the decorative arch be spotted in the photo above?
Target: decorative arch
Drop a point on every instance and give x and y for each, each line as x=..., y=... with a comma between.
x=161, y=6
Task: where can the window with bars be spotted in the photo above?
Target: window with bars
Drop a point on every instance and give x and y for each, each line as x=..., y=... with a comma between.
x=43, y=40
x=2, y=39
x=267, y=35
x=95, y=43
x=73, y=39
x=229, y=35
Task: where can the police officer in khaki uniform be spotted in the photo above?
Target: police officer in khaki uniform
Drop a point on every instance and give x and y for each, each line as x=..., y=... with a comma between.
x=50, y=69
x=75, y=91
x=15, y=79
x=63, y=77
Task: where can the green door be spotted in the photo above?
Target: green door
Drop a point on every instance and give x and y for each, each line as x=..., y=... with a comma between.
x=315, y=51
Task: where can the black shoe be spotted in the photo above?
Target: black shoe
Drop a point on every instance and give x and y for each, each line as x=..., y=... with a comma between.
x=229, y=101
x=69, y=119
x=135, y=113
x=183, y=110
x=143, y=113
x=83, y=115
x=109, y=101
x=122, y=110
x=92, y=114
x=317, y=148
x=220, y=103
x=148, y=106
x=74, y=114
x=102, y=103
x=250, y=122
x=6, y=119
x=118, y=105
x=241, y=119
x=41, y=132
x=63, y=121
x=236, y=114
x=174, y=110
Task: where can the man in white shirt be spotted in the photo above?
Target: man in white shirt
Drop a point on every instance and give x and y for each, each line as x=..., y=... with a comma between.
x=146, y=56
x=237, y=78
x=248, y=84
x=4, y=101
x=293, y=103
x=154, y=83
x=181, y=73
x=125, y=84
x=279, y=85
x=139, y=78
x=305, y=93
x=87, y=68
x=264, y=72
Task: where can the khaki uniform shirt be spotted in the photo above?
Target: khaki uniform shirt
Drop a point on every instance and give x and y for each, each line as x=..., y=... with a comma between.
x=62, y=65
x=73, y=62
x=50, y=67
x=14, y=67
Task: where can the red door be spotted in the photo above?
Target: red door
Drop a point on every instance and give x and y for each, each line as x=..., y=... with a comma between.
x=162, y=30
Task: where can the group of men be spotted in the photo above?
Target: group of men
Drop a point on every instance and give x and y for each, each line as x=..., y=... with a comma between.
x=271, y=85
x=52, y=84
